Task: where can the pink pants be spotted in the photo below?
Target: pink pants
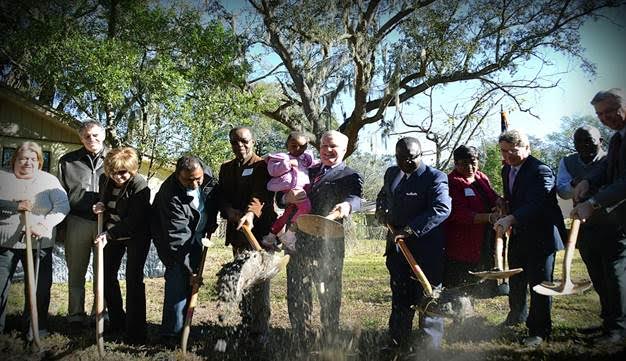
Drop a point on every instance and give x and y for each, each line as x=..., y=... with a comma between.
x=292, y=212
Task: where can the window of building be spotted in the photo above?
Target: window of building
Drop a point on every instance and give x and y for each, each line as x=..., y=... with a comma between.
x=7, y=153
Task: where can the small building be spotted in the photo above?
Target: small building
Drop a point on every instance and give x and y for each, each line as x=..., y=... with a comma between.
x=22, y=119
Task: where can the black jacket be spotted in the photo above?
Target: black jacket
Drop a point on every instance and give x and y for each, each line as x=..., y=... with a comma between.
x=132, y=206
x=174, y=220
x=79, y=175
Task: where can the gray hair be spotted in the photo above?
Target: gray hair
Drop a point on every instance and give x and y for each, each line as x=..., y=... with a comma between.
x=88, y=125
x=515, y=137
x=615, y=94
x=340, y=137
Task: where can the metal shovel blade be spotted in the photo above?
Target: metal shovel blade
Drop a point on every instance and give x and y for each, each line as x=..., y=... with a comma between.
x=320, y=226
x=496, y=274
x=558, y=288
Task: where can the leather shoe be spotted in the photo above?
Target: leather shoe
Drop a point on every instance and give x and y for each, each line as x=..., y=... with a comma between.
x=532, y=341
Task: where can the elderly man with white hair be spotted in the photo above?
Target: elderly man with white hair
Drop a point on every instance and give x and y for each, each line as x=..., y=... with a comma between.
x=608, y=261
x=318, y=262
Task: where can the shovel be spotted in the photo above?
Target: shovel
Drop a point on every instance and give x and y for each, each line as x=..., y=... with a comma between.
x=319, y=226
x=30, y=276
x=193, y=298
x=257, y=247
x=565, y=287
x=501, y=271
x=100, y=291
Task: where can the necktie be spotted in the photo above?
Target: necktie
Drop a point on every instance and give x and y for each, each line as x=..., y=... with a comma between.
x=613, y=156
x=319, y=176
x=512, y=174
x=398, y=186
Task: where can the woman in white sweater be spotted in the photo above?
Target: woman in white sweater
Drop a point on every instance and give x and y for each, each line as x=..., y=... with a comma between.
x=27, y=188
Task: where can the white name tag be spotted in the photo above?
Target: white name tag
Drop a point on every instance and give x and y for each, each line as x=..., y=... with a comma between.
x=469, y=192
x=413, y=194
x=246, y=172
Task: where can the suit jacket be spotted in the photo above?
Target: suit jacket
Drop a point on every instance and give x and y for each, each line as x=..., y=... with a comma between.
x=422, y=202
x=612, y=191
x=337, y=185
x=533, y=202
x=242, y=187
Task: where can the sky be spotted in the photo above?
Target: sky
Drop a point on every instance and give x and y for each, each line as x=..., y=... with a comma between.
x=604, y=43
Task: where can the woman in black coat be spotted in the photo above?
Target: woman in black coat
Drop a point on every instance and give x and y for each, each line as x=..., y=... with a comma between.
x=125, y=201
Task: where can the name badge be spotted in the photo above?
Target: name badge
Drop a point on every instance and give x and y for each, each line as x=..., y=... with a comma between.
x=246, y=172
x=469, y=192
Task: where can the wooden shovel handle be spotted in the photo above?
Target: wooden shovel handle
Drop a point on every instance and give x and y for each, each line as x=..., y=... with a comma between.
x=100, y=290
x=499, y=248
x=30, y=282
x=251, y=238
x=417, y=271
x=569, y=251
x=193, y=301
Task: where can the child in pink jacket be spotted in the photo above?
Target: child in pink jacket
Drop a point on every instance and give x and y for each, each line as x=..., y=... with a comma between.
x=290, y=171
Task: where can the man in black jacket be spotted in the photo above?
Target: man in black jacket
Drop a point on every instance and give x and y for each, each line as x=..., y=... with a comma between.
x=79, y=172
x=184, y=212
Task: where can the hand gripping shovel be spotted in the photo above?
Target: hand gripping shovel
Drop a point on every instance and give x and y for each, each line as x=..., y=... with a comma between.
x=501, y=271
x=193, y=297
x=565, y=287
x=30, y=283
x=324, y=227
x=100, y=291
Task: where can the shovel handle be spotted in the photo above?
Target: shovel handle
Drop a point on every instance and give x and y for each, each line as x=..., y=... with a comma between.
x=251, y=238
x=569, y=251
x=333, y=215
x=193, y=301
x=417, y=271
x=499, y=249
x=100, y=290
x=30, y=278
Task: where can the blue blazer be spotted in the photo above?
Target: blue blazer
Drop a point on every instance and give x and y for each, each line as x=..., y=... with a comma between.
x=540, y=225
x=337, y=185
x=422, y=202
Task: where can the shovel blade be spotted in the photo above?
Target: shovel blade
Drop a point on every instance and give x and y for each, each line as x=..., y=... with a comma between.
x=320, y=226
x=496, y=275
x=557, y=288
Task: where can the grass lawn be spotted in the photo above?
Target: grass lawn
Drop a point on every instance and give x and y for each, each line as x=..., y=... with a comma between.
x=365, y=310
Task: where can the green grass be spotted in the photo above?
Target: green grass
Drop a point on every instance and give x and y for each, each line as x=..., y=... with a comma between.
x=365, y=310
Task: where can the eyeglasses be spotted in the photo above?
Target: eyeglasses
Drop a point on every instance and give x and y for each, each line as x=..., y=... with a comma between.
x=609, y=111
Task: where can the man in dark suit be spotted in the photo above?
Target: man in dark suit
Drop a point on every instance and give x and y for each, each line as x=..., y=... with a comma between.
x=318, y=262
x=414, y=201
x=243, y=198
x=537, y=232
x=607, y=267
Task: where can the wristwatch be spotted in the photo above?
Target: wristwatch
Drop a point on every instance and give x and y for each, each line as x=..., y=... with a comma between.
x=594, y=204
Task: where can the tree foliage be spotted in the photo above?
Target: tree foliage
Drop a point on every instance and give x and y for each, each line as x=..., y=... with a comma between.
x=385, y=53
x=163, y=77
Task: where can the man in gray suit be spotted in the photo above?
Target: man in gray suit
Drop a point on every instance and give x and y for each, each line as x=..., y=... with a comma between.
x=607, y=270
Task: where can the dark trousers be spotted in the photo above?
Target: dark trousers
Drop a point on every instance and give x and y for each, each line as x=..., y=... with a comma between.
x=538, y=267
x=134, y=319
x=317, y=263
x=9, y=258
x=407, y=292
x=604, y=254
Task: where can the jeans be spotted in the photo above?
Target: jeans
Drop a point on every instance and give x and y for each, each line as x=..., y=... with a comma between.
x=177, y=290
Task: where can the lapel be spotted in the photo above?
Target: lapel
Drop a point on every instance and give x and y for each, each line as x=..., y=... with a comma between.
x=329, y=175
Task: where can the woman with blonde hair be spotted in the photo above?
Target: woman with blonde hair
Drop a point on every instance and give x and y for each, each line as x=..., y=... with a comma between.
x=27, y=188
x=125, y=202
